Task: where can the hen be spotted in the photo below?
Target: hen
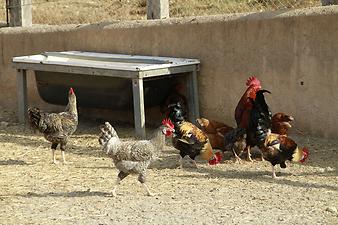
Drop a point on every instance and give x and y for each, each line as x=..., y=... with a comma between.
x=215, y=131
x=175, y=95
x=189, y=139
x=132, y=157
x=235, y=141
x=275, y=148
x=281, y=123
x=56, y=127
x=244, y=106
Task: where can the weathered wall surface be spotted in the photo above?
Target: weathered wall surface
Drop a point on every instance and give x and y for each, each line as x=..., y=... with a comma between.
x=293, y=53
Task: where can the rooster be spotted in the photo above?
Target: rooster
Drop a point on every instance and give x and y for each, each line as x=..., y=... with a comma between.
x=56, y=127
x=244, y=106
x=133, y=157
x=275, y=148
x=189, y=139
x=175, y=95
x=215, y=131
x=281, y=123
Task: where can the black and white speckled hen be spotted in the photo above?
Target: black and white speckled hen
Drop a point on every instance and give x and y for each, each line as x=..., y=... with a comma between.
x=56, y=127
x=132, y=157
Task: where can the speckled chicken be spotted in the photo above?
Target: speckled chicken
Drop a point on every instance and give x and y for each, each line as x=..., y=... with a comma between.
x=132, y=157
x=56, y=127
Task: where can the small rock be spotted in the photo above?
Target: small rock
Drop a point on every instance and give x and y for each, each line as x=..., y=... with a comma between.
x=4, y=124
x=331, y=209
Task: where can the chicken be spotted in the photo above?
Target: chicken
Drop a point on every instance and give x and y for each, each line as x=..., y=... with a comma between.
x=215, y=131
x=244, y=106
x=281, y=123
x=133, y=157
x=175, y=95
x=56, y=127
x=275, y=148
x=190, y=140
x=235, y=141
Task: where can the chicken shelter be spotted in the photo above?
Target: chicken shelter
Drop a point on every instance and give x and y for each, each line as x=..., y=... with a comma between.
x=104, y=80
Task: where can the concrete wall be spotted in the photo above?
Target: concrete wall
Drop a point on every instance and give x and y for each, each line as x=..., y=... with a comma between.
x=293, y=53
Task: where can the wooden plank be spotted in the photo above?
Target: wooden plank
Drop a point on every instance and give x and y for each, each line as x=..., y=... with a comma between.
x=192, y=87
x=22, y=95
x=139, y=113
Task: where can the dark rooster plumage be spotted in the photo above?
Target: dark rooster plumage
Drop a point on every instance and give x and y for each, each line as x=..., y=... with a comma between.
x=56, y=127
x=275, y=148
x=189, y=139
x=244, y=106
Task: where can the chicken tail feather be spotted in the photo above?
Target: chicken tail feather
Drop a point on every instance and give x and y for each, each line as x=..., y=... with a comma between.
x=107, y=132
x=34, y=117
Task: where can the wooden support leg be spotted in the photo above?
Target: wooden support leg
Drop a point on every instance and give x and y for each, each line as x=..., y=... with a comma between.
x=194, y=112
x=22, y=95
x=139, y=114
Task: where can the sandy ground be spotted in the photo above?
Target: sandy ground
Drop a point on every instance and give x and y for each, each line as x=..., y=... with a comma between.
x=35, y=191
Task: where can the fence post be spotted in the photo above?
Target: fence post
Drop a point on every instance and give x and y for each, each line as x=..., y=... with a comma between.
x=157, y=9
x=20, y=13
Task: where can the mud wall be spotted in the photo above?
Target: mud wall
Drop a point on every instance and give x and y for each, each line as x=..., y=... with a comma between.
x=293, y=53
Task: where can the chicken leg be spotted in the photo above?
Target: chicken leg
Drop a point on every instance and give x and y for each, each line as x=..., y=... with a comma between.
x=180, y=161
x=120, y=177
x=54, y=145
x=142, y=179
x=63, y=148
x=237, y=158
x=274, y=173
x=248, y=157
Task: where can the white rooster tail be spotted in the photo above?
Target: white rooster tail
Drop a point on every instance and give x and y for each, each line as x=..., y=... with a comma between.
x=108, y=137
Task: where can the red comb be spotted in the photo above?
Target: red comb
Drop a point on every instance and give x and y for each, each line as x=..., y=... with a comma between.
x=167, y=122
x=217, y=159
x=305, y=155
x=253, y=81
x=71, y=91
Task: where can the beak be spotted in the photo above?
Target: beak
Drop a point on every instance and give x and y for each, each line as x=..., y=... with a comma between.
x=291, y=118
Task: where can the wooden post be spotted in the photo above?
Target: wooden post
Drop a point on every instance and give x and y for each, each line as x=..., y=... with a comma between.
x=139, y=114
x=22, y=95
x=157, y=9
x=20, y=13
x=192, y=85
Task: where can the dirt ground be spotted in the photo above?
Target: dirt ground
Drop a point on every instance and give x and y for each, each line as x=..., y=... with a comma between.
x=35, y=191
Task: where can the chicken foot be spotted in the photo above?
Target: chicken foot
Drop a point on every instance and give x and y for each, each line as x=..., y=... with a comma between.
x=181, y=162
x=120, y=177
x=274, y=172
x=142, y=179
x=53, y=147
x=237, y=158
x=248, y=157
x=63, y=148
